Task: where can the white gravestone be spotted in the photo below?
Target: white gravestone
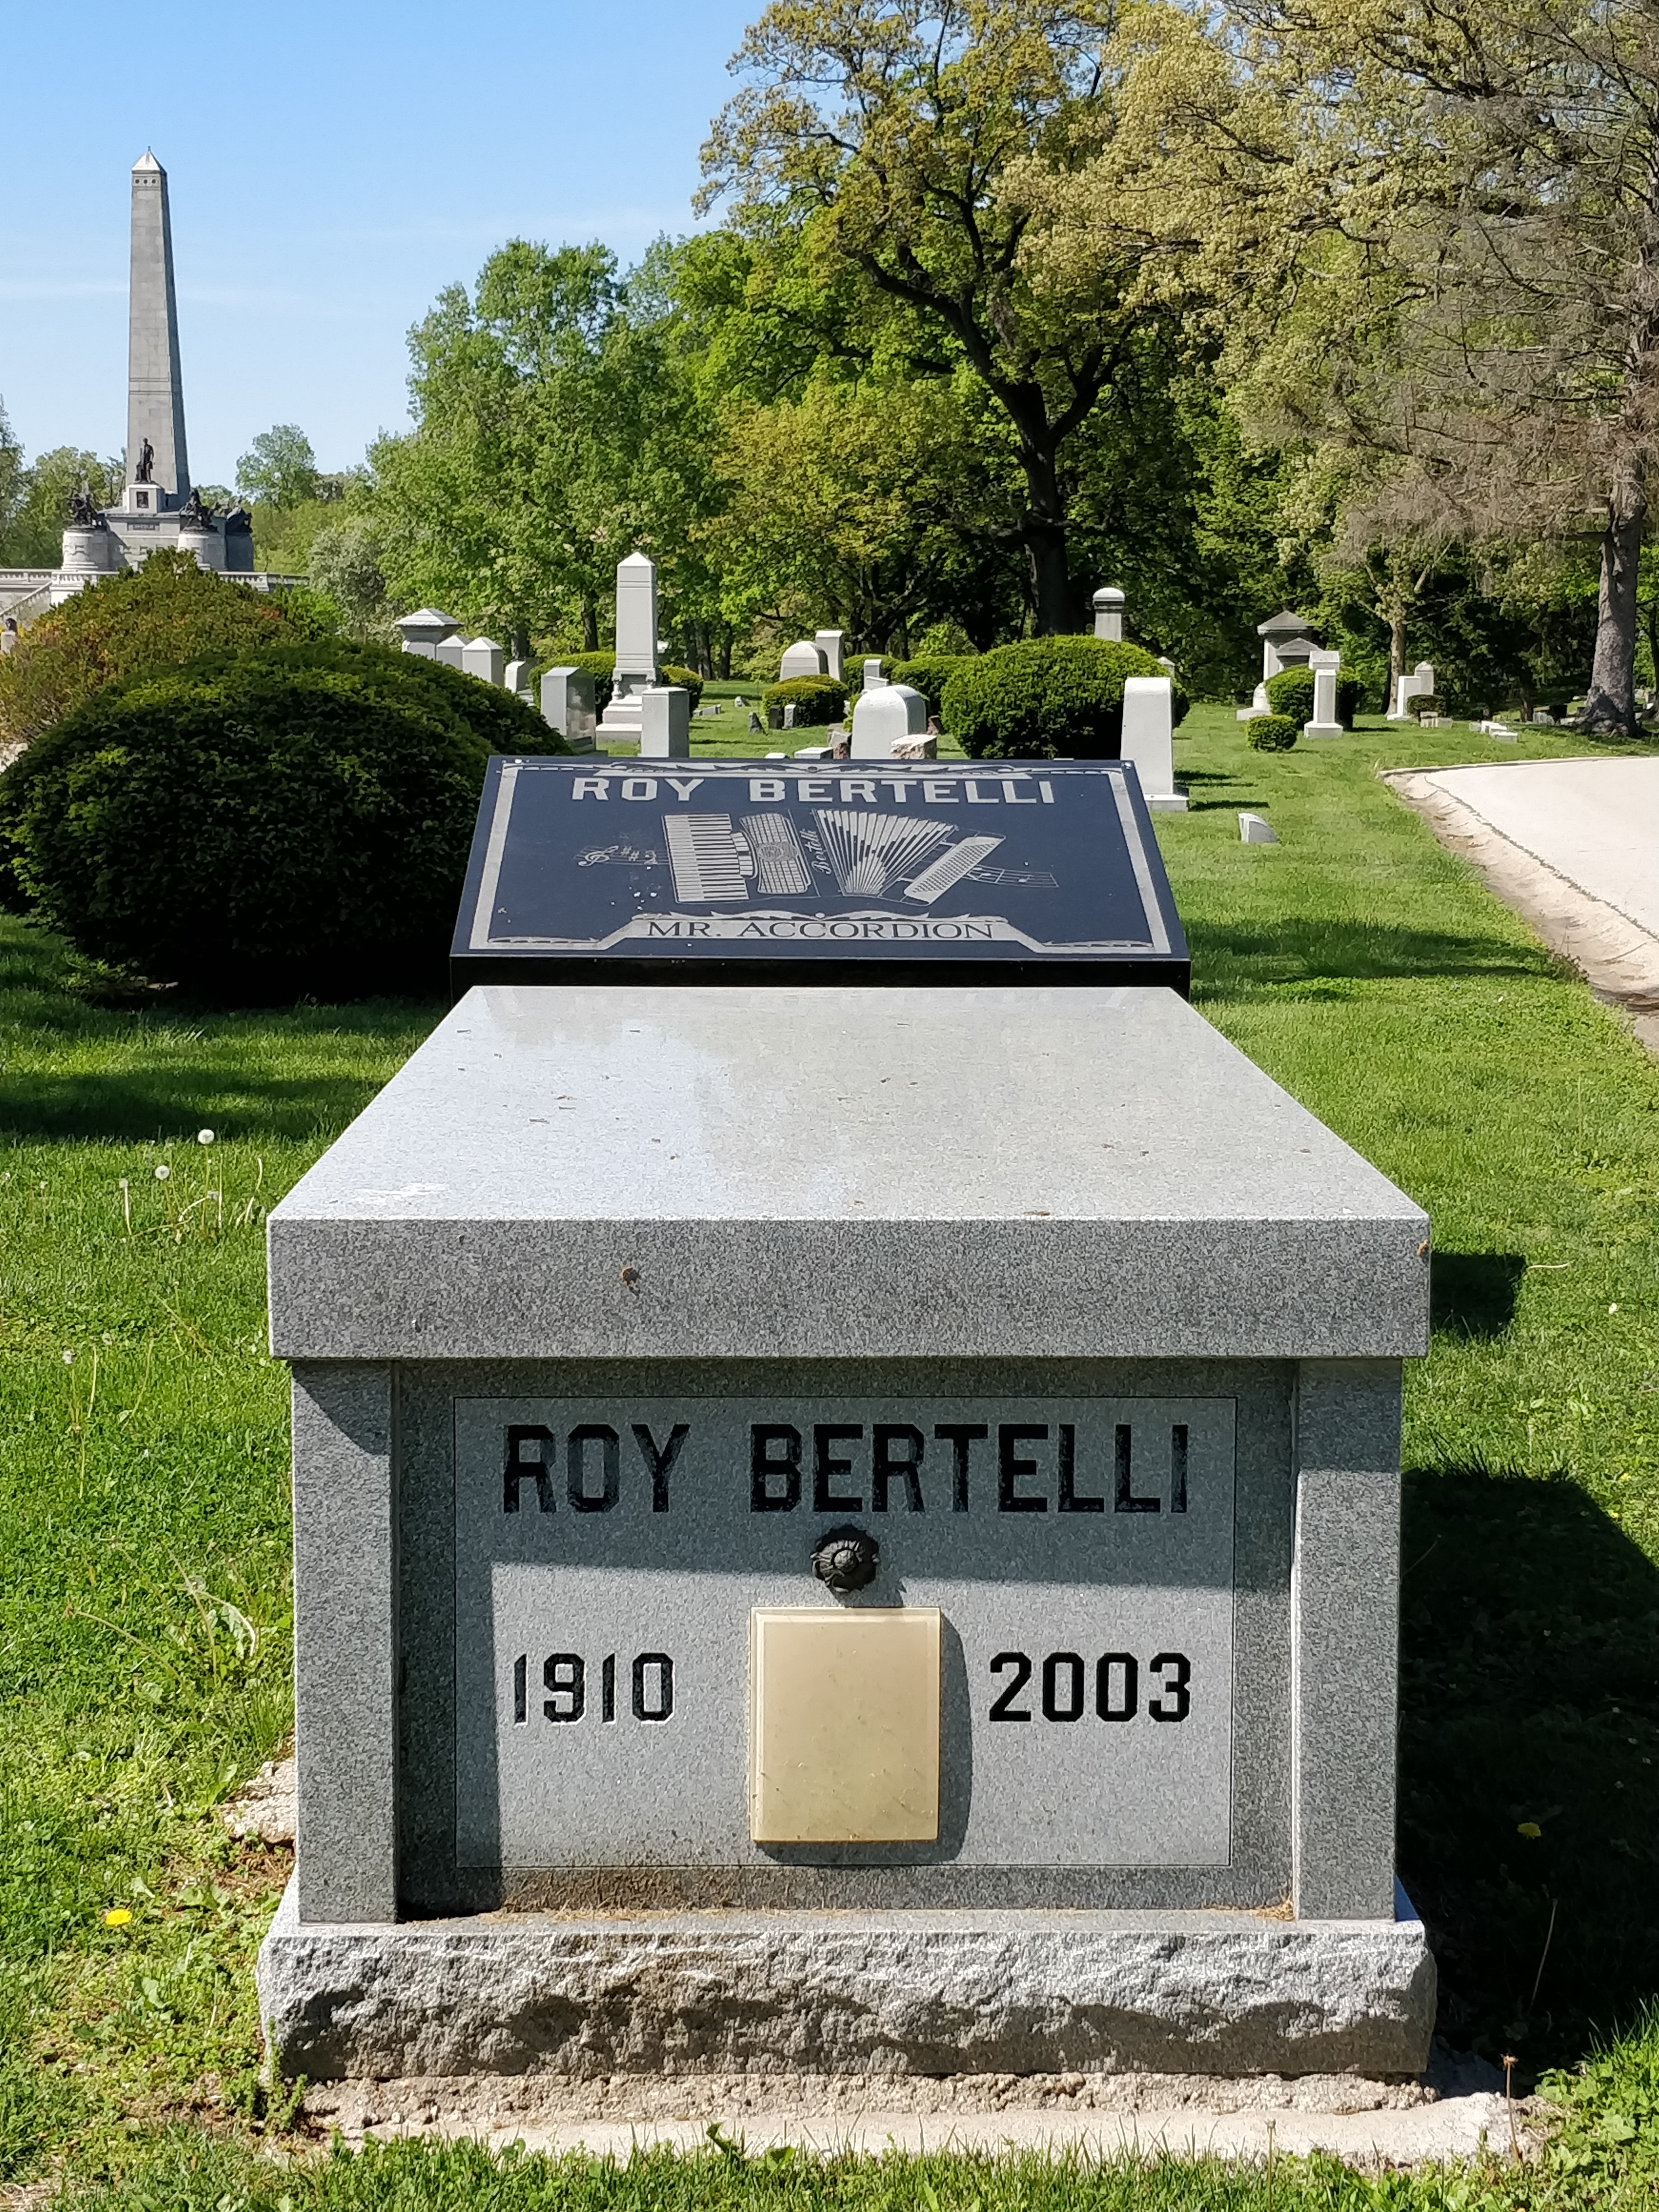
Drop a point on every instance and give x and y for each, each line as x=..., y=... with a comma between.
x=567, y=706
x=636, y=646
x=1253, y=830
x=873, y=678
x=1149, y=741
x=802, y=658
x=829, y=642
x=1420, y=684
x=665, y=723
x=1109, y=614
x=449, y=651
x=484, y=659
x=1326, y=722
x=513, y=676
x=885, y=718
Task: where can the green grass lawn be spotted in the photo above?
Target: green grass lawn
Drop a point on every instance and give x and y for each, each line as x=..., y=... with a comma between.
x=144, y=1612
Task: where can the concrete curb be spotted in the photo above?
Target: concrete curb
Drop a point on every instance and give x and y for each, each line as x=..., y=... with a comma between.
x=1617, y=957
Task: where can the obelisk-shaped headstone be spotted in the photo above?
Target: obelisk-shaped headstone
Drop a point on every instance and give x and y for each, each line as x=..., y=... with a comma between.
x=636, y=646
x=156, y=397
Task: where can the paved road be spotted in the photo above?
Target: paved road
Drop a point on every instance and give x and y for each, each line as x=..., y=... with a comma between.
x=1594, y=822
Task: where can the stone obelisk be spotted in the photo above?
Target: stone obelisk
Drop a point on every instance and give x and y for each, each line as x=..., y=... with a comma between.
x=156, y=397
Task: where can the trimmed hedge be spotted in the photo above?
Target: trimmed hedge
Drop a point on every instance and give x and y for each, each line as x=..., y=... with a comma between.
x=817, y=699
x=296, y=819
x=1431, y=704
x=1291, y=692
x=602, y=668
x=930, y=675
x=1272, y=733
x=1047, y=698
x=164, y=614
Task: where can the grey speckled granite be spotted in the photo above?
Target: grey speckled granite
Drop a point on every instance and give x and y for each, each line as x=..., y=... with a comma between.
x=845, y=1993
x=639, y=1173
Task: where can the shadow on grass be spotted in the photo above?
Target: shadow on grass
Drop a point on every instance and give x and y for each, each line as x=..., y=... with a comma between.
x=275, y=1072
x=1304, y=946
x=1529, y=1688
x=1474, y=1293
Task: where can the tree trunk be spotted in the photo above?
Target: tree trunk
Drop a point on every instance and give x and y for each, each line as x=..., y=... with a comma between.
x=590, y=626
x=1396, y=657
x=1611, y=706
x=1051, y=576
x=1043, y=530
x=723, y=666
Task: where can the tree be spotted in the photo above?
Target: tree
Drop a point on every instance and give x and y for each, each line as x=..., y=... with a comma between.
x=862, y=504
x=14, y=484
x=41, y=503
x=279, y=467
x=903, y=142
x=1445, y=223
x=556, y=435
x=345, y=564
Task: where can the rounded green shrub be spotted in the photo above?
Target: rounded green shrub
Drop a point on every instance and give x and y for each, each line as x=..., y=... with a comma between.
x=163, y=615
x=929, y=674
x=1272, y=733
x=294, y=819
x=687, y=678
x=1428, y=703
x=1045, y=698
x=1291, y=692
x=817, y=699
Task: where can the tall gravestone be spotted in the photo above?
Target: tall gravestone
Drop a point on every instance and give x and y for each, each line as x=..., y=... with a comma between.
x=1148, y=740
x=1325, y=721
x=636, y=648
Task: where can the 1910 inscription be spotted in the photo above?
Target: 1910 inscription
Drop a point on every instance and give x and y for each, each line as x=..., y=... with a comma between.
x=608, y=1555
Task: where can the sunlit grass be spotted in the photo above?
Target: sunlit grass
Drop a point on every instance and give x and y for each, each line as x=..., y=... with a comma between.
x=145, y=1609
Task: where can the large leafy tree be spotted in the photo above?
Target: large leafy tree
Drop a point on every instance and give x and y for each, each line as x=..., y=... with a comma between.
x=553, y=437
x=279, y=466
x=1442, y=219
x=905, y=144
x=862, y=503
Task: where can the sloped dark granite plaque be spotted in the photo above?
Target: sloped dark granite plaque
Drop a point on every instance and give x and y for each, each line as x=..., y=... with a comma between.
x=719, y=872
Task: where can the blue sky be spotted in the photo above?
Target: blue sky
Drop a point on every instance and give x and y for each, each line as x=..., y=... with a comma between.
x=330, y=167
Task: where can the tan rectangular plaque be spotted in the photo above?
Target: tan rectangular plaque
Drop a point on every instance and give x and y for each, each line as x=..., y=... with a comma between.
x=843, y=1725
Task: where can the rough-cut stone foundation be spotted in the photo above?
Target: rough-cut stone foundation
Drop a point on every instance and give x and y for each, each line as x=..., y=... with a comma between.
x=890, y=1993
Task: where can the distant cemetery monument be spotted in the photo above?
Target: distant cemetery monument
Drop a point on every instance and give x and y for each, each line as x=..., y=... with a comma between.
x=159, y=506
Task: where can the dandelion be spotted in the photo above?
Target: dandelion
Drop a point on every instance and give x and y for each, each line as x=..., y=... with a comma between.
x=1612, y=1310
x=116, y=1916
x=1529, y=1829
x=204, y=1136
x=163, y=1172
